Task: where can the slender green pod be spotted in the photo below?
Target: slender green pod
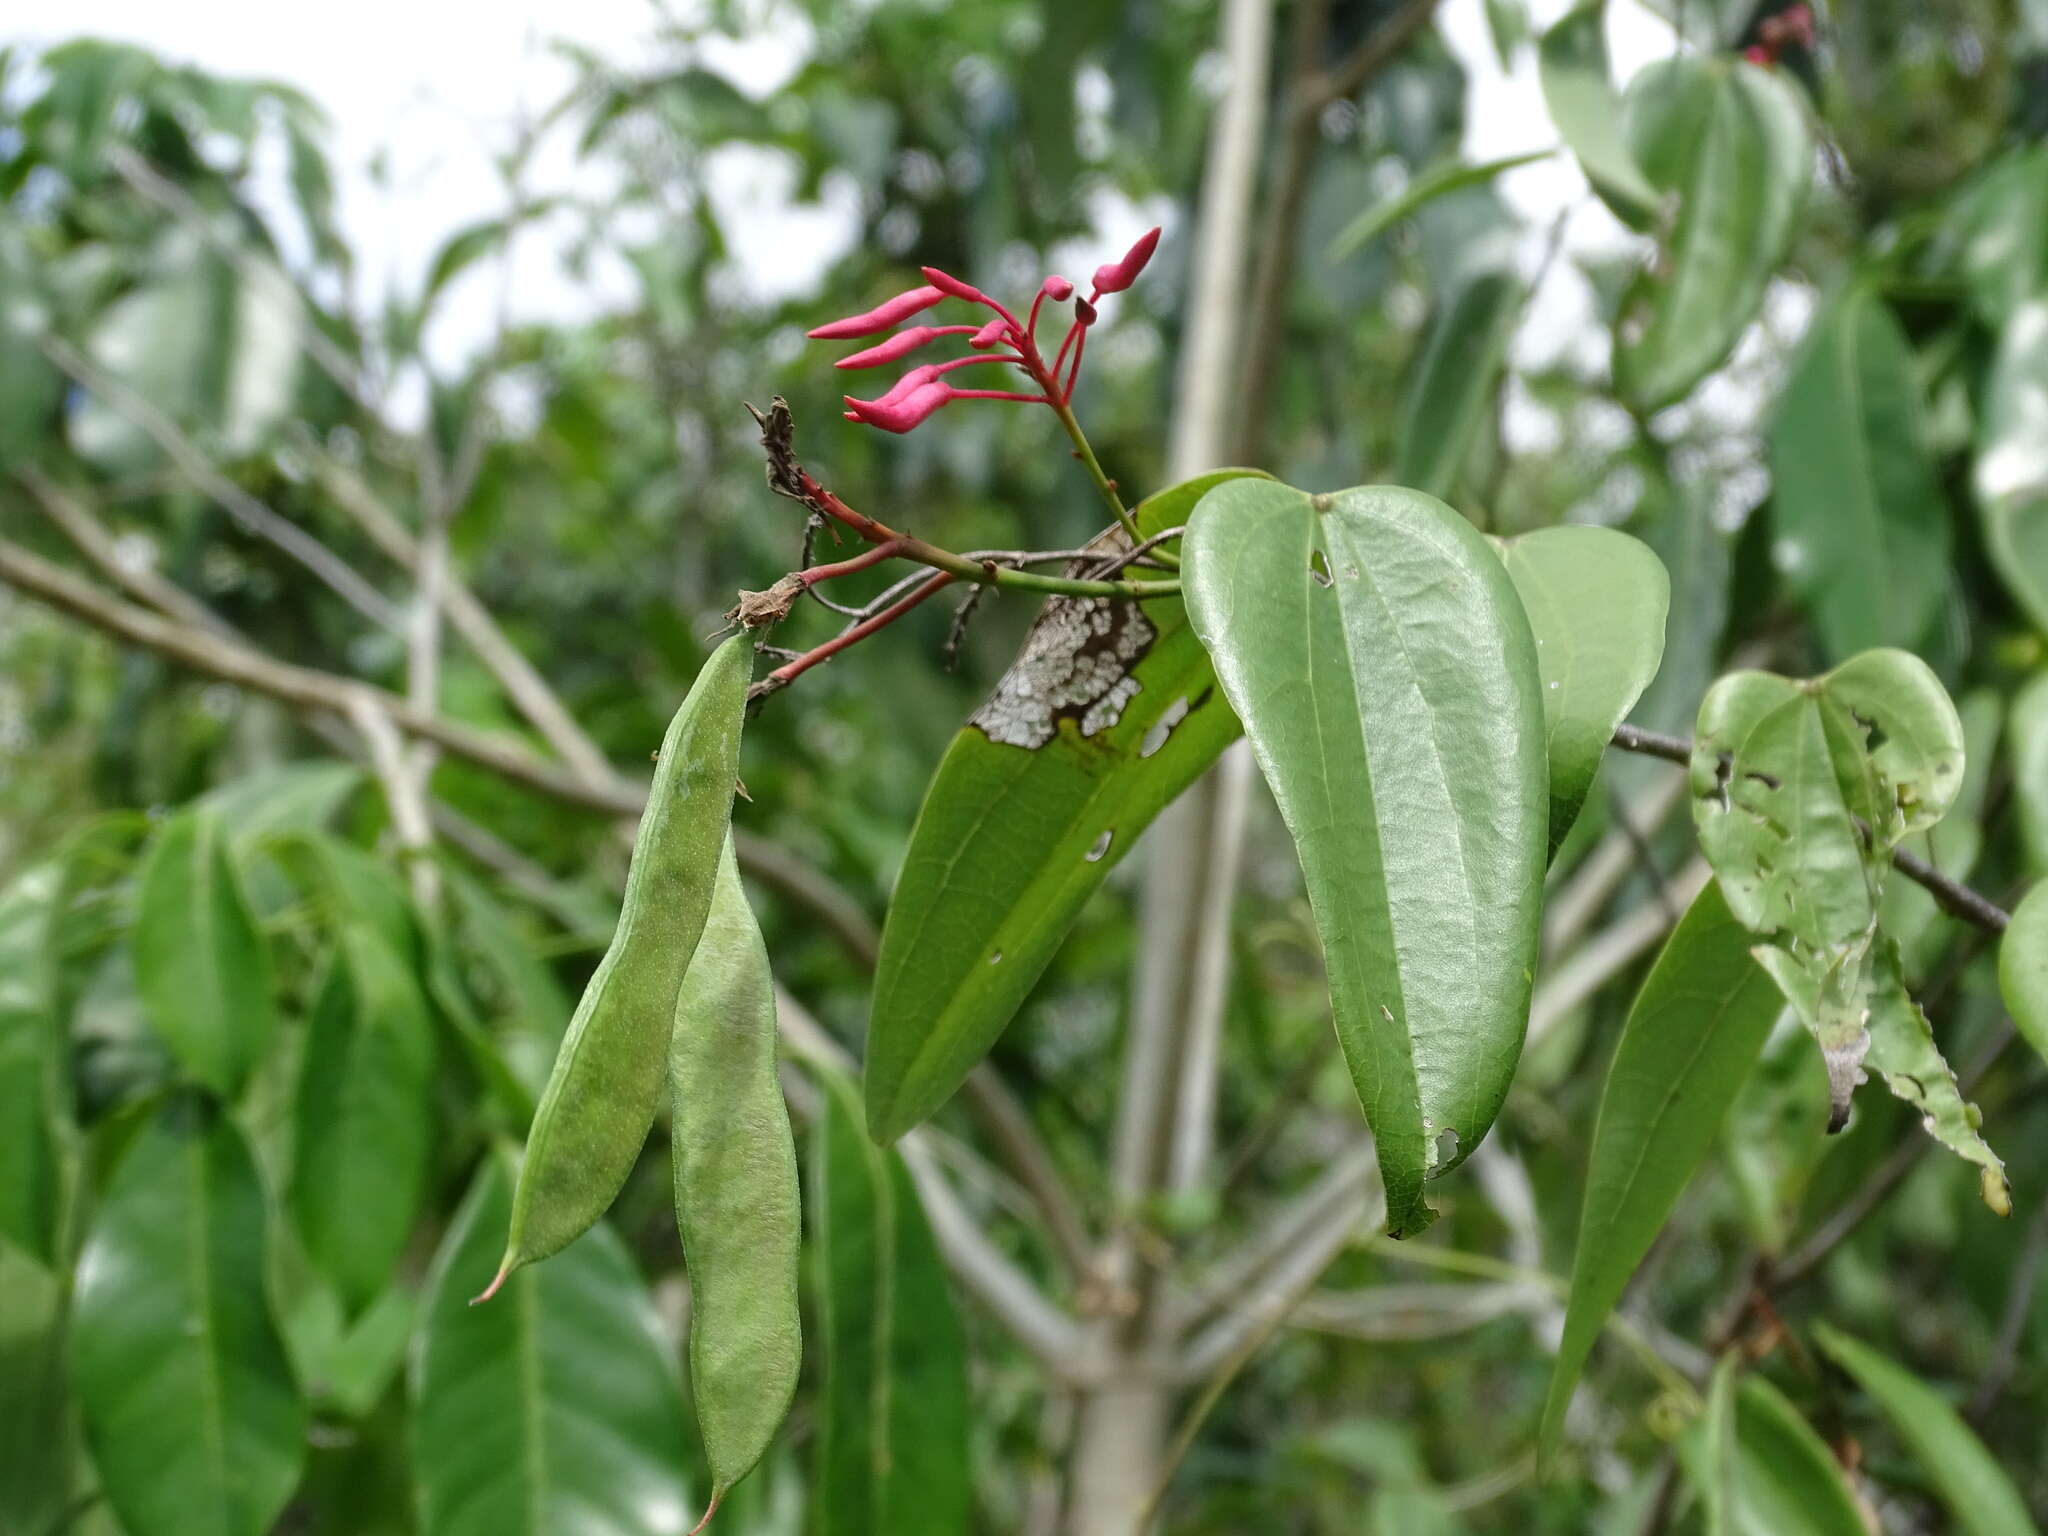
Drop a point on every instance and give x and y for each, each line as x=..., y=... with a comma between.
x=737, y=1206
x=601, y=1096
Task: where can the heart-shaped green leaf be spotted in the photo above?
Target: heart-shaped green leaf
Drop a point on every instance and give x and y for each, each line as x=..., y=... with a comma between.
x=189, y=1405
x=200, y=961
x=1383, y=666
x=1691, y=1038
x=1109, y=713
x=1597, y=600
x=1857, y=518
x=1733, y=142
x=555, y=1408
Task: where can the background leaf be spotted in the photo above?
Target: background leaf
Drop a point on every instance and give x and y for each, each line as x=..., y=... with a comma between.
x=1857, y=518
x=194, y=1422
x=2010, y=473
x=1578, y=88
x=554, y=1408
x=1453, y=394
x=2023, y=968
x=1596, y=600
x=200, y=962
x=1384, y=669
x=1690, y=1040
x=32, y=1170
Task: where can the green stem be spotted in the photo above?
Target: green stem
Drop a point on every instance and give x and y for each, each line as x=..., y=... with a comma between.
x=1086, y=454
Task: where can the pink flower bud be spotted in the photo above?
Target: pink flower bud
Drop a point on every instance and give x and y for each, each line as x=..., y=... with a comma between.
x=1798, y=21
x=900, y=415
x=890, y=350
x=950, y=285
x=1084, y=312
x=882, y=316
x=989, y=334
x=1757, y=55
x=1057, y=288
x=1119, y=275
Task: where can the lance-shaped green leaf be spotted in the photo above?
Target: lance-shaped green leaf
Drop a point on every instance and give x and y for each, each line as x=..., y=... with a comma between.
x=2000, y=232
x=363, y=1120
x=608, y=1077
x=1597, y=600
x=1383, y=666
x=892, y=1454
x=200, y=961
x=1454, y=175
x=1717, y=1471
x=2023, y=968
x=39, y=1464
x=1788, y=1482
x=1578, y=88
x=1454, y=390
x=1733, y=142
x=735, y=1189
x=1857, y=518
x=1691, y=1038
x=1800, y=793
x=1976, y=1491
x=189, y=1404
x=1109, y=713
x=556, y=1408
x=2010, y=471
x=31, y=1063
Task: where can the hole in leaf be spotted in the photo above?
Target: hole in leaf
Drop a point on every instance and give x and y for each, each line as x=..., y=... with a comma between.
x=1101, y=847
x=995, y=957
x=1155, y=738
x=1319, y=567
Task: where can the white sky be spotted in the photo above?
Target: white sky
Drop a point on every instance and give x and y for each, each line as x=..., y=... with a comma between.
x=438, y=87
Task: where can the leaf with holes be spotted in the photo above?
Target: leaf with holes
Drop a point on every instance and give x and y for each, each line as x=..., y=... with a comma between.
x=1597, y=600
x=1383, y=666
x=1800, y=792
x=1858, y=525
x=1578, y=88
x=1109, y=713
x=1967, y=1479
x=200, y=961
x=1732, y=142
x=1691, y=1038
x=892, y=1456
x=189, y=1406
x=556, y=1408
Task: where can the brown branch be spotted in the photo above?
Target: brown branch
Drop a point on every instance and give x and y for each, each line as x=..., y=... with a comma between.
x=1357, y=69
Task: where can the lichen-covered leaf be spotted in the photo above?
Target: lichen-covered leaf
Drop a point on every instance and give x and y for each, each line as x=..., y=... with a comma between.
x=1109, y=713
x=1385, y=672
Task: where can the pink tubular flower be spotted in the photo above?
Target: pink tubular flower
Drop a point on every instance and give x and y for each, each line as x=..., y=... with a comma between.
x=1003, y=340
x=1116, y=276
x=882, y=316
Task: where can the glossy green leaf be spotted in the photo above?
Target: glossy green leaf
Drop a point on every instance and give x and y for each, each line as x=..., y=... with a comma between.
x=1800, y=792
x=1426, y=188
x=892, y=1456
x=201, y=964
x=38, y=1464
x=1789, y=1483
x=1454, y=391
x=1385, y=671
x=735, y=1189
x=1973, y=1487
x=363, y=1120
x=1578, y=88
x=1109, y=713
x=1691, y=1038
x=609, y=1075
x=1719, y=1473
x=554, y=1409
x=1732, y=141
x=2023, y=968
x=1858, y=524
x=189, y=1406
x=32, y=1171
x=2010, y=471
x=1597, y=600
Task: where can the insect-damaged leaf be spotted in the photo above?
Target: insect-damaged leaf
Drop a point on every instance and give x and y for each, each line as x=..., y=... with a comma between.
x=1691, y=1038
x=1385, y=671
x=1109, y=713
x=1732, y=141
x=1596, y=601
x=1800, y=791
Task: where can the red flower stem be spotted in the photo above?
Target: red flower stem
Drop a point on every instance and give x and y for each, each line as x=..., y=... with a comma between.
x=1061, y=356
x=1074, y=369
x=999, y=394
x=888, y=549
x=853, y=634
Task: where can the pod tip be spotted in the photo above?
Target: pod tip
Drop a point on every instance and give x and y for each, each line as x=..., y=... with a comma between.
x=491, y=1290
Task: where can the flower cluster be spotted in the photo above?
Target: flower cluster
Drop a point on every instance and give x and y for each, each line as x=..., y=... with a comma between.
x=1002, y=339
x=1791, y=26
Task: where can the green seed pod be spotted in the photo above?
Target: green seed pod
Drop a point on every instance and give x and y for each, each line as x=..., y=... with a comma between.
x=736, y=1190
x=606, y=1084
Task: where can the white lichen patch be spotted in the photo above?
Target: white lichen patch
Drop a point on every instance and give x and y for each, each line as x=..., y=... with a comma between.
x=1076, y=665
